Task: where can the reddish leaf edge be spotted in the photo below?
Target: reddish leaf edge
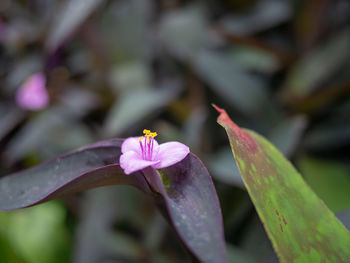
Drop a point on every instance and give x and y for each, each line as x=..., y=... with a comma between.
x=242, y=134
x=244, y=137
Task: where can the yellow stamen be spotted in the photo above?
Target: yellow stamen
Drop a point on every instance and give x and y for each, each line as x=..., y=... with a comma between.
x=153, y=134
x=148, y=134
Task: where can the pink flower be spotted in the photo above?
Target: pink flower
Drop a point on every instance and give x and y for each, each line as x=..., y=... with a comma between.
x=142, y=152
x=32, y=95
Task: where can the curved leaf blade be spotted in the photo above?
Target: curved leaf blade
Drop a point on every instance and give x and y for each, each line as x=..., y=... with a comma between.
x=300, y=226
x=185, y=194
x=188, y=194
x=91, y=166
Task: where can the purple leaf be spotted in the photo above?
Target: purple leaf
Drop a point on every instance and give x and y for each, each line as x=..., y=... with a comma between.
x=188, y=194
x=184, y=192
x=85, y=168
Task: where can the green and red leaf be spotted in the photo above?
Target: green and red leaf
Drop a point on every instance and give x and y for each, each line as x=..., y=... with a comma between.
x=299, y=225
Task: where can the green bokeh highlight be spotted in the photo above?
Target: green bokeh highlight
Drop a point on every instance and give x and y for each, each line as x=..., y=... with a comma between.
x=35, y=235
x=330, y=180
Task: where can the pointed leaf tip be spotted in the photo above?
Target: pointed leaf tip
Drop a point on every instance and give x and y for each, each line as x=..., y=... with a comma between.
x=243, y=137
x=217, y=108
x=299, y=225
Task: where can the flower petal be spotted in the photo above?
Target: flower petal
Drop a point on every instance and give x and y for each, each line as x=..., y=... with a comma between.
x=131, y=162
x=133, y=144
x=170, y=153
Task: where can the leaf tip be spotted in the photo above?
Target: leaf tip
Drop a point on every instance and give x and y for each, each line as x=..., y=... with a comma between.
x=223, y=114
x=231, y=127
x=217, y=108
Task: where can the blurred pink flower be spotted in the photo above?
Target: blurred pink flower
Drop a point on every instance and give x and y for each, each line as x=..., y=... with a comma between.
x=142, y=152
x=32, y=95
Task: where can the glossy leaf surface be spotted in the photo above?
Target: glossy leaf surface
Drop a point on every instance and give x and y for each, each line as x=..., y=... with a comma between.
x=79, y=170
x=186, y=194
x=300, y=226
x=189, y=196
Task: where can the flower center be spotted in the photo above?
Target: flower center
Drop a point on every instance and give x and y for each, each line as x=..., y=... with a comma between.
x=146, y=144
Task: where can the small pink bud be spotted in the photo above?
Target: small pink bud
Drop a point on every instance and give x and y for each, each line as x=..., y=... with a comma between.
x=32, y=95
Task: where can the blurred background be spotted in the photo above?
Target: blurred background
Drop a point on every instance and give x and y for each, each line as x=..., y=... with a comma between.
x=113, y=68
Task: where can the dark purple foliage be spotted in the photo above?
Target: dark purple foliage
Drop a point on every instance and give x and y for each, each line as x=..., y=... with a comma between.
x=184, y=192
